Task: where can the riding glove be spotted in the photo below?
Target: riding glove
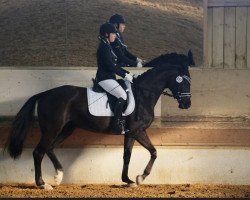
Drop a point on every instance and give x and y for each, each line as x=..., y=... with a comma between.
x=129, y=77
x=135, y=75
x=139, y=65
x=138, y=60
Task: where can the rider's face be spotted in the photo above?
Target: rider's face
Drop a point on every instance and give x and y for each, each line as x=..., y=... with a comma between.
x=121, y=28
x=112, y=37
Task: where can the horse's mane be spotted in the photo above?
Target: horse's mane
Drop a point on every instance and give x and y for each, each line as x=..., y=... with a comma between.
x=172, y=58
x=157, y=70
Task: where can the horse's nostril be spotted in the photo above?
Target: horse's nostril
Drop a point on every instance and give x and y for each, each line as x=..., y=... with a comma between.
x=185, y=104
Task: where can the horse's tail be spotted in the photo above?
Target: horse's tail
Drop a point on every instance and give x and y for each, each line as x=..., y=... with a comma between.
x=190, y=58
x=21, y=125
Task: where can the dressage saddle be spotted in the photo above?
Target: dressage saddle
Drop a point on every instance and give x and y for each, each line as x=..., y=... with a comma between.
x=111, y=99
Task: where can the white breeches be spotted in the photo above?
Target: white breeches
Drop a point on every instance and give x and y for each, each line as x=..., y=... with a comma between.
x=113, y=87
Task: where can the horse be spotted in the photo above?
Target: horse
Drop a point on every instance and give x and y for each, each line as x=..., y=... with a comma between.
x=63, y=109
x=172, y=58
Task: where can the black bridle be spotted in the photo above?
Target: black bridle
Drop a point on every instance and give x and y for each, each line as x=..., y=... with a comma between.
x=179, y=95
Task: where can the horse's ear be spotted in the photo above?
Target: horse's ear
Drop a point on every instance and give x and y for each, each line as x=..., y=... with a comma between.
x=190, y=58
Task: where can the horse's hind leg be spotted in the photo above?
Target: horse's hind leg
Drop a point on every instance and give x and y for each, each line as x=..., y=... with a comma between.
x=67, y=130
x=58, y=167
x=45, y=145
x=38, y=155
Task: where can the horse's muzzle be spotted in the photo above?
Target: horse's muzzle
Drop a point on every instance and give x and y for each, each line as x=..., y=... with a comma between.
x=184, y=104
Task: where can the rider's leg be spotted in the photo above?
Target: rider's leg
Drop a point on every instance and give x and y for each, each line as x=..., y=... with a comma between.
x=113, y=87
x=118, y=121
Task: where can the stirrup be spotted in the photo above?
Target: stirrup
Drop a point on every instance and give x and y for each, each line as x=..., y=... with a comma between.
x=120, y=130
x=124, y=130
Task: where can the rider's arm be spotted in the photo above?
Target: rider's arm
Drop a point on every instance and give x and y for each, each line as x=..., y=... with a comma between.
x=130, y=55
x=121, y=55
x=112, y=66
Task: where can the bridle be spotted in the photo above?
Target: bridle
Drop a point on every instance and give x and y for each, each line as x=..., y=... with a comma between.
x=179, y=95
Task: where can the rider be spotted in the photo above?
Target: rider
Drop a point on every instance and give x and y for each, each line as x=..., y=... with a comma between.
x=124, y=56
x=107, y=71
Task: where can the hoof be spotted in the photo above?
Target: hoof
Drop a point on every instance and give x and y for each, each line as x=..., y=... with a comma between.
x=58, y=177
x=46, y=187
x=139, y=179
x=131, y=185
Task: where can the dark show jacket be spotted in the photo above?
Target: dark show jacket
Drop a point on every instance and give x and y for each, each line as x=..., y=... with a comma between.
x=123, y=55
x=107, y=63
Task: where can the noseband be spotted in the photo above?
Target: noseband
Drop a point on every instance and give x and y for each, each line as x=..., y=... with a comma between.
x=180, y=95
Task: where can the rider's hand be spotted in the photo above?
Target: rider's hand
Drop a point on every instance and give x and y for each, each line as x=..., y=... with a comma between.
x=138, y=60
x=135, y=75
x=129, y=77
x=139, y=65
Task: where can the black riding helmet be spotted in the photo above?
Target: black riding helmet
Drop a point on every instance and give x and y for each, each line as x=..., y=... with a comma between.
x=117, y=19
x=107, y=28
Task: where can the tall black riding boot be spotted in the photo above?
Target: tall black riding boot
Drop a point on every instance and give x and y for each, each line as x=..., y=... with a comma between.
x=118, y=121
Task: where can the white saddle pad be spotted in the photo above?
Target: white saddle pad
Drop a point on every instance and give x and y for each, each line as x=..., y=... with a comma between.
x=98, y=106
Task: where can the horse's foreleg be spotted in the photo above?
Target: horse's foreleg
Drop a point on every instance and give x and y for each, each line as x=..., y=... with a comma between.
x=128, y=146
x=145, y=142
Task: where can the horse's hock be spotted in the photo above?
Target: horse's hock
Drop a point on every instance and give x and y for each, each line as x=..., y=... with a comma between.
x=214, y=130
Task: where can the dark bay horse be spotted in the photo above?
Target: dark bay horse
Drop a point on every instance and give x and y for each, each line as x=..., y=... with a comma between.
x=63, y=109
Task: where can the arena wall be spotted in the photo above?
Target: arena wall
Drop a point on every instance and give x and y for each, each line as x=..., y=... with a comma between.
x=103, y=165
x=215, y=92
x=209, y=143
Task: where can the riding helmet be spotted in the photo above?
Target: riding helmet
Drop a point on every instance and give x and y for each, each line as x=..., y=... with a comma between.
x=107, y=28
x=117, y=19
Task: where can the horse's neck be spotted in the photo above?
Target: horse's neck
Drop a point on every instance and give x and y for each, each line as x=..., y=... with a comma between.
x=151, y=87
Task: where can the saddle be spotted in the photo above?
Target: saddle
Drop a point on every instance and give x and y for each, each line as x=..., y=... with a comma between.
x=101, y=103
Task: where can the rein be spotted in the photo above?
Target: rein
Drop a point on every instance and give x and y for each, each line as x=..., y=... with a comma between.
x=152, y=91
x=167, y=94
